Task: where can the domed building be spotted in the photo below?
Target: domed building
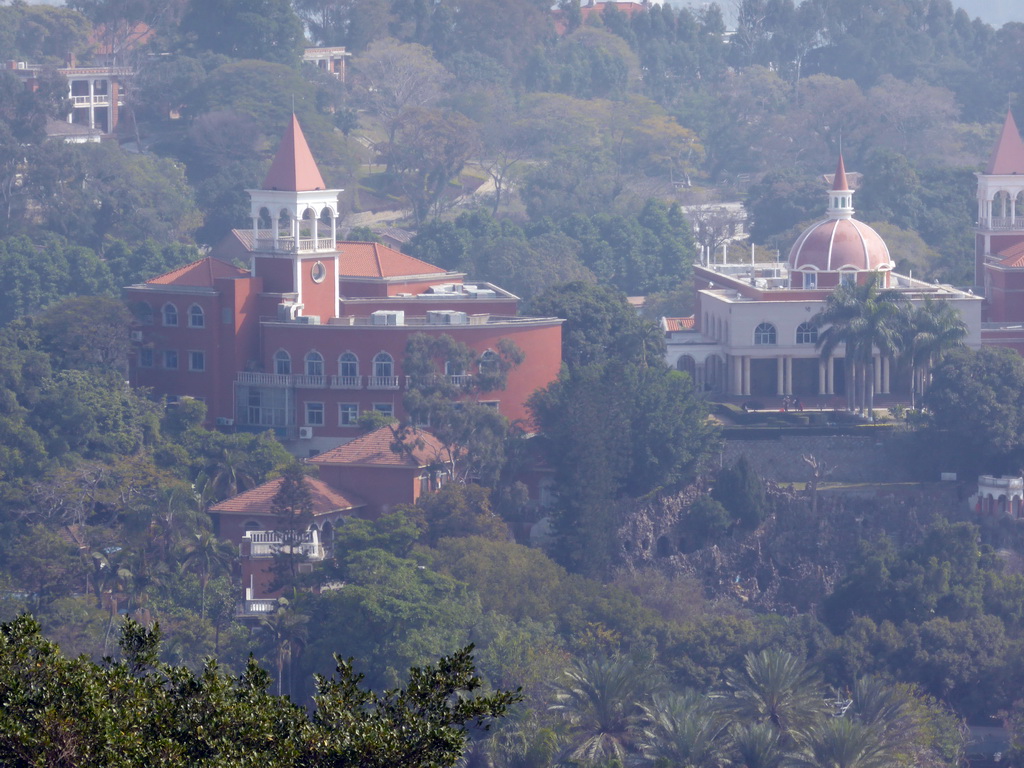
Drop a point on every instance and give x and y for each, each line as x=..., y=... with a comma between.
x=753, y=335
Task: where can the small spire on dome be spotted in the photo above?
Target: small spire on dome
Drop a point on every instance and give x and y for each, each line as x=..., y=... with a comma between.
x=840, y=184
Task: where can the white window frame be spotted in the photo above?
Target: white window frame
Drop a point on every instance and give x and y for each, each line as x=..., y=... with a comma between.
x=314, y=412
x=313, y=363
x=196, y=355
x=168, y=357
x=167, y=313
x=282, y=360
x=196, y=317
x=766, y=334
x=348, y=414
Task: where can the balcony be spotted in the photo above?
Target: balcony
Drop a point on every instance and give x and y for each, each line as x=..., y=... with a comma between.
x=304, y=381
x=287, y=244
x=346, y=382
x=258, y=379
x=382, y=382
x=1002, y=223
x=264, y=544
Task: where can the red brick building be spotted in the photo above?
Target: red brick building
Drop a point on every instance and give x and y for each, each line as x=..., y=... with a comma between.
x=313, y=333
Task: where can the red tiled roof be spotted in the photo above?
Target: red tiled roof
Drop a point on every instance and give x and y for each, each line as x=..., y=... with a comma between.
x=561, y=19
x=376, y=260
x=679, y=323
x=375, y=448
x=294, y=168
x=1008, y=155
x=199, y=274
x=1012, y=256
x=259, y=500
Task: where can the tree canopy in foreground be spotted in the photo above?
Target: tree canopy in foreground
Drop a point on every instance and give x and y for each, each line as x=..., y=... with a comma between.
x=138, y=711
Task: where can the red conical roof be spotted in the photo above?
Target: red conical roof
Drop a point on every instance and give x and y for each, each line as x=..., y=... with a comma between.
x=840, y=184
x=294, y=169
x=1008, y=156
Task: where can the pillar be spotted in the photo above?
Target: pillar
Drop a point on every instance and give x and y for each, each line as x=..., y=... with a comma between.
x=886, y=372
x=789, y=374
x=831, y=375
x=737, y=374
x=822, y=377
x=780, y=375
x=876, y=371
x=746, y=374
x=92, y=106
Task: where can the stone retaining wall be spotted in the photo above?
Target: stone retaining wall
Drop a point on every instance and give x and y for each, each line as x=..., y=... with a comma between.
x=855, y=459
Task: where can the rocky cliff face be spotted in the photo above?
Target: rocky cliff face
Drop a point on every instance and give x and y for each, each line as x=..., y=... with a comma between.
x=797, y=555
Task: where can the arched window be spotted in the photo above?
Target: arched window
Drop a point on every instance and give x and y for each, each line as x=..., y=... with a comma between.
x=383, y=365
x=348, y=365
x=196, y=318
x=806, y=333
x=314, y=364
x=170, y=314
x=282, y=362
x=764, y=334
x=489, y=362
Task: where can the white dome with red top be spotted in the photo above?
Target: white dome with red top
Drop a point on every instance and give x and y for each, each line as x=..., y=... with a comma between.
x=840, y=242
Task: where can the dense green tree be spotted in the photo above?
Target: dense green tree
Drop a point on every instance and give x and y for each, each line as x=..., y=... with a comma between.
x=264, y=29
x=975, y=400
x=740, y=490
x=139, y=711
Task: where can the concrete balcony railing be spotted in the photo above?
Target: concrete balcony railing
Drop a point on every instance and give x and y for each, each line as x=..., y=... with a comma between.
x=305, y=381
x=287, y=244
x=263, y=544
x=346, y=382
x=382, y=382
x=1003, y=223
x=259, y=379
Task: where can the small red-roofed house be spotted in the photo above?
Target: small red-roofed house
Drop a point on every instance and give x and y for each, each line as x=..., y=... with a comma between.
x=314, y=332
x=384, y=470
x=248, y=521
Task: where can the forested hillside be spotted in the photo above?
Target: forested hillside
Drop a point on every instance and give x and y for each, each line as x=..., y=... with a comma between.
x=534, y=148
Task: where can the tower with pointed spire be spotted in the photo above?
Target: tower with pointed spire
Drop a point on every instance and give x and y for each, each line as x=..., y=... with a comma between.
x=294, y=230
x=1000, y=201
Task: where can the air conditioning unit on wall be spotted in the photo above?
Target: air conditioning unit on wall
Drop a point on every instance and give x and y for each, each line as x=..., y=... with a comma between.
x=136, y=335
x=305, y=433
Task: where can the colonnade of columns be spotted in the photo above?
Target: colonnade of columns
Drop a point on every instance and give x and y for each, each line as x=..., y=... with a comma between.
x=739, y=375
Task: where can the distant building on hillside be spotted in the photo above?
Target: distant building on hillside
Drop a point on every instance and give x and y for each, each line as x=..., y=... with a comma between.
x=752, y=333
x=313, y=333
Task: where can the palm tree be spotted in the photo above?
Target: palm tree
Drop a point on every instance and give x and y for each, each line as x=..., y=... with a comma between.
x=934, y=328
x=756, y=745
x=861, y=318
x=207, y=555
x=840, y=742
x=681, y=729
x=774, y=687
x=283, y=632
x=599, y=698
x=227, y=475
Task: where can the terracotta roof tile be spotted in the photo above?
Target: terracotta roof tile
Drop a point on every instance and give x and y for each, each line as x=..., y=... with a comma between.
x=294, y=168
x=259, y=500
x=374, y=448
x=679, y=323
x=1008, y=155
x=200, y=273
x=376, y=260
x=1012, y=256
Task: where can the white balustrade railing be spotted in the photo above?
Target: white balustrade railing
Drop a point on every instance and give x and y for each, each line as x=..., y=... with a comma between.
x=346, y=382
x=264, y=379
x=382, y=382
x=305, y=381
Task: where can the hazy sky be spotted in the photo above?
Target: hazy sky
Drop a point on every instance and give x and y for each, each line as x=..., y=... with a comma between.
x=995, y=12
